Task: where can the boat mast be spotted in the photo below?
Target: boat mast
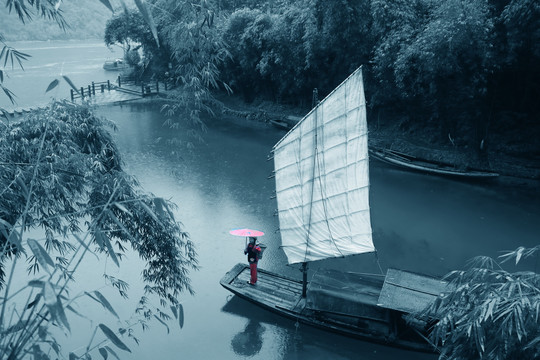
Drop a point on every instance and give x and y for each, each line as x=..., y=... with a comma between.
x=315, y=140
x=304, y=279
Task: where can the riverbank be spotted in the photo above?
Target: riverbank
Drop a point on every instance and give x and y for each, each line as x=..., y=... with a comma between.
x=507, y=156
x=513, y=160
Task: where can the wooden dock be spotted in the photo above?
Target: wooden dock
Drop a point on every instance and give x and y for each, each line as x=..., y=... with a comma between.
x=124, y=89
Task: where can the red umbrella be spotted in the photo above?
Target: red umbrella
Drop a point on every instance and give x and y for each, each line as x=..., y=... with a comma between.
x=246, y=232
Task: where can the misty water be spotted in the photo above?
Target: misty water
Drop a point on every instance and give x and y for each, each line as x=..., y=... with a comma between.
x=420, y=223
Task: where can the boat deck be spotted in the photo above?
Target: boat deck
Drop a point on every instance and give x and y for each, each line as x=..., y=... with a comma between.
x=409, y=292
x=271, y=290
x=359, y=317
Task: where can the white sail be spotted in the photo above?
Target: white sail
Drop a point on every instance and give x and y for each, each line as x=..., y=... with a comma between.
x=322, y=179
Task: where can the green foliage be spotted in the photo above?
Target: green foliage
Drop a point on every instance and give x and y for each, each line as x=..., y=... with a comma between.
x=130, y=30
x=187, y=30
x=282, y=54
x=61, y=173
x=337, y=40
x=490, y=313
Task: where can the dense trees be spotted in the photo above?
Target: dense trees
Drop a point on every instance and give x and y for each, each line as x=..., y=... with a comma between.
x=463, y=65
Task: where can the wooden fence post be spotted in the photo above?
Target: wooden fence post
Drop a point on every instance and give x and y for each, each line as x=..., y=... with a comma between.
x=71, y=93
x=109, y=85
x=119, y=81
x=93, y=88
x=102, y=88
x=157, y=86
x=89, y=90
x=82, y=92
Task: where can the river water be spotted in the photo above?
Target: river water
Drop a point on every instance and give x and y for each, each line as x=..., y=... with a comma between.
x=420, y=223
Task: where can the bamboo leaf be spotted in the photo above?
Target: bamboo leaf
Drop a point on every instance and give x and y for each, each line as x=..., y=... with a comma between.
x=158, y=202
x=49, y=296
x=52, y=85
x=103, y=301
x=36, y=283
x=70, y=308
x=122, y=208
x=149, y=211
x=111, y=351
x=41, y=255
x=141, y=5
x=14, y=328
x=519, y=253
x=68, y=80
x=23, y=186
x=174, y=311
x=72, y=356
x=103, y=353
x=120, y=225
x=59, y=308
x=84, y=245
x=34, y=302
x=113, y=338
x=163, y=322
x=107, y=4
x=104, y=241
x=181, y=315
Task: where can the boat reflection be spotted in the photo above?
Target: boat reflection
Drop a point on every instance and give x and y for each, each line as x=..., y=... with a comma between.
x=249, y=341
x=299, y=341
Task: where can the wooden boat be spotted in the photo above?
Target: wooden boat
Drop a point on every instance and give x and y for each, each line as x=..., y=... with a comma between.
x=427, y=166
x=322, y=189
x=281, y=124
x=367, y=310
x=115, y=65
x=287, y=123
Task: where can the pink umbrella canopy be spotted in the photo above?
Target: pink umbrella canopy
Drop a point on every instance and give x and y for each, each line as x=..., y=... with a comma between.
x=246, y=232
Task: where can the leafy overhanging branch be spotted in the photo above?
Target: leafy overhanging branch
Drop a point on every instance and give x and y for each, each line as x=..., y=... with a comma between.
x=491, y=312
x=62, y=173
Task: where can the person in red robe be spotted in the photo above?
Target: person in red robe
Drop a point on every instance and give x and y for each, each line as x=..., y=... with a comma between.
x=253, y=252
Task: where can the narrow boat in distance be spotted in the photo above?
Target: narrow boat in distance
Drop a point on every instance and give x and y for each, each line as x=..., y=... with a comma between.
x=427, y=166
x=322, y=189
x=115, y=65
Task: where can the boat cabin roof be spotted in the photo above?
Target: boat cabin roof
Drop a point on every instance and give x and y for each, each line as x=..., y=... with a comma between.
x=409, y=292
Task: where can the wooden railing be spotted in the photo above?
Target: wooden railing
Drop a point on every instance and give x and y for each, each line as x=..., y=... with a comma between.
x=90, y=90
x=124, y=84
x=147, y=88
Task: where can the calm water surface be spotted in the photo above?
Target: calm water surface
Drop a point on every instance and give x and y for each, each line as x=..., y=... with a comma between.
x=420, y=223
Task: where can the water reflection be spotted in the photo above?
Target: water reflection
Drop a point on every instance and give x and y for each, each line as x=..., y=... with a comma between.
x=291, y=340
x=249, y=341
